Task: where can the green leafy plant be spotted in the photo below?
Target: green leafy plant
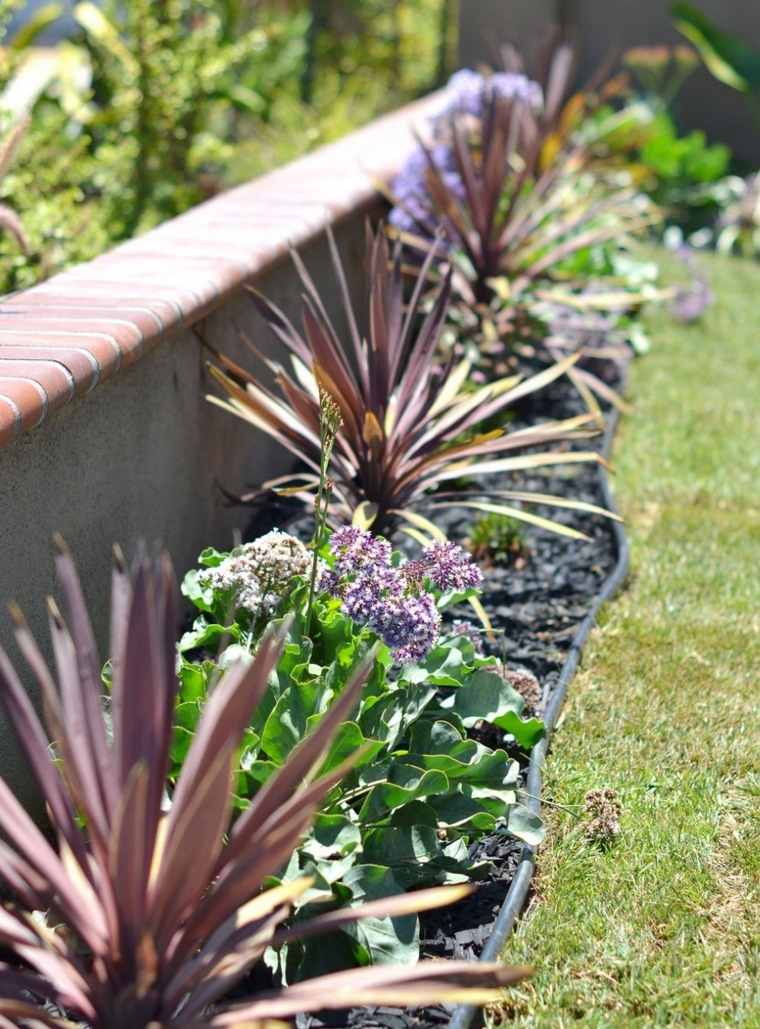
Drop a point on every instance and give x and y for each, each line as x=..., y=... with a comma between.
x=158, y=914
x=401, y=440
x=679, y=171
x=422, y=790
x=170, y=78
x=9, y=220
x=497, y=539
x=155, y=105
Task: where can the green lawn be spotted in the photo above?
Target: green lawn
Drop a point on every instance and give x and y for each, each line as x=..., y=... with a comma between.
x=662, y=929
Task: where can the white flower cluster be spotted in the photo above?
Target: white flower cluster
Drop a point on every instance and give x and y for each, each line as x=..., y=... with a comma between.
x=259, y=572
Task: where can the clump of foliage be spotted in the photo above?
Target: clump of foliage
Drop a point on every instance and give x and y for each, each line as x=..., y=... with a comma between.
x=156, y=914
x=421, y=790
x=9, y=221
x=681, y=172
x=496, y=539
x=170, y=82
x=678, y=171
x=602, y=810
x=401, y=439
x=156, y=104
x=507, y=222
x=511, y=178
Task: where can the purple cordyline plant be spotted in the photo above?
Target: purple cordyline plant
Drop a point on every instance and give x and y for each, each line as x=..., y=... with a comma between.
x=158, y=915
x=504, y=188
x=395, y=602
x=407, y=422
x=468, y=93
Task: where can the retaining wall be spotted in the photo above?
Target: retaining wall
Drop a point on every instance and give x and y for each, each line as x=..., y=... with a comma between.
x=105, y=434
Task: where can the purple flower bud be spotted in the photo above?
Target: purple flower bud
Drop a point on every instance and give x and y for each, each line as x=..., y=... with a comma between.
x=509, y=85
x=447, y=566
x=464, y=92
x=410, y=627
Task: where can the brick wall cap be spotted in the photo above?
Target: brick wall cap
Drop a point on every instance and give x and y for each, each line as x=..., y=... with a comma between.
x=62, y=337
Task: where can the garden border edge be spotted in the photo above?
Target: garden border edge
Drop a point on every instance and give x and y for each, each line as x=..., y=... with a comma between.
x=466, y=1016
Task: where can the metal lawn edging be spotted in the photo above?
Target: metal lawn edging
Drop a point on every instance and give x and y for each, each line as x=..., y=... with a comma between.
x=464, y=1015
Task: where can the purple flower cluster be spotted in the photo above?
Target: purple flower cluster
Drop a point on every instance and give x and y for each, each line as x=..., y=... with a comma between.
x=467, y=91
x=414, y=212
x=395, y=601
x=447, y=566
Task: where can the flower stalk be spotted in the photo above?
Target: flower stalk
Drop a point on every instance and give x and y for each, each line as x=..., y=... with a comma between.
x=329, y=423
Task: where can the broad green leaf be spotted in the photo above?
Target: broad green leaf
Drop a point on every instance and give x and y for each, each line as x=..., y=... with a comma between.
x=208, y=635
x=417, y=812
x=403, y=845
x=196, y=592
x=492, y=768
x=436, y=736
x=459, y=810
x=258, y=772
x=194, y=679
x=181, y=742
x=526, y=731
x=333, y=844
x=388, y=940
x=388, y=717
x=332, y=952
x=486, y=695
x=407, y=784
x=211, y=558
x=443, y=666
x=347, y=741
x=290, y=719
x=415, y=855
x=526, y=826
x=188, y=714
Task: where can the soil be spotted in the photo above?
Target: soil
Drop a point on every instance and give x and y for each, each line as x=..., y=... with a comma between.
x=535, y=607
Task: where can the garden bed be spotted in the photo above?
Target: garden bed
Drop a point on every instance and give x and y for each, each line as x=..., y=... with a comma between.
x=542, y=609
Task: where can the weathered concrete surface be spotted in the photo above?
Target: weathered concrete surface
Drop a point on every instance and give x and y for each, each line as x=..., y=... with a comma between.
x=142, y=457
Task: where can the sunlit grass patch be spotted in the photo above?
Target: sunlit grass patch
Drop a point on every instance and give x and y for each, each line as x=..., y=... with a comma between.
x=660, y=929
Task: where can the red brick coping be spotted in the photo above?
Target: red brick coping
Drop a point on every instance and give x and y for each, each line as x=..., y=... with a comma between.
x=62, y=338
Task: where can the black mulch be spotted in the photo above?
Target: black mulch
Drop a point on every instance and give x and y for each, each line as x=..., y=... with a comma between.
x=535, y=609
